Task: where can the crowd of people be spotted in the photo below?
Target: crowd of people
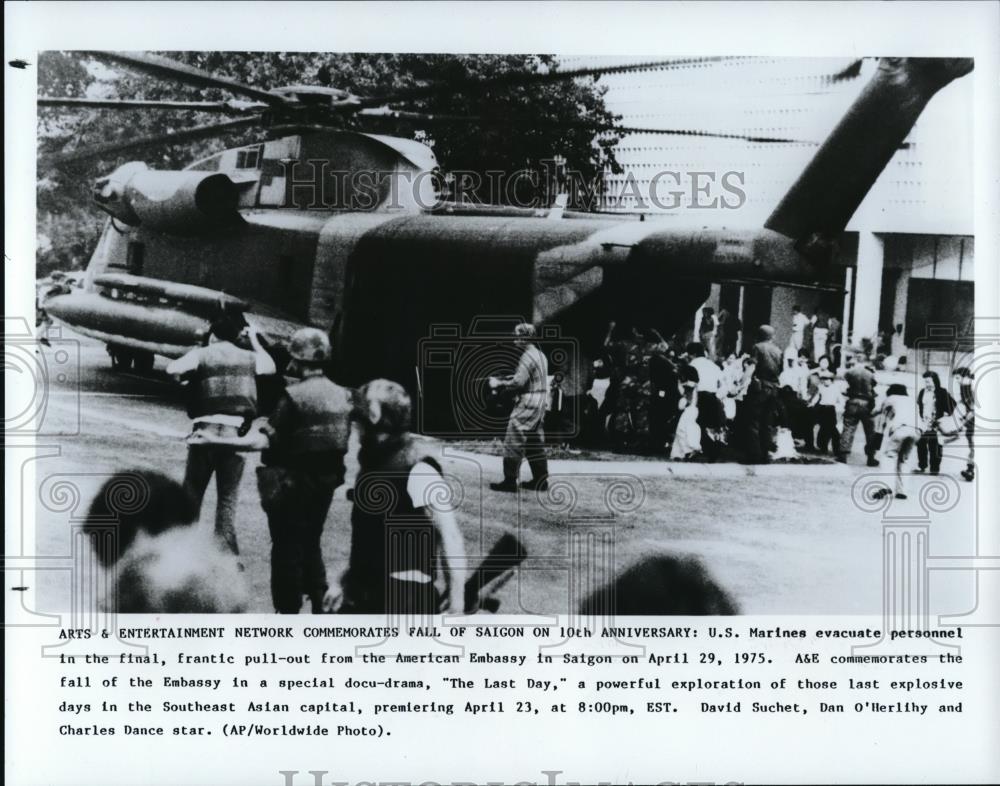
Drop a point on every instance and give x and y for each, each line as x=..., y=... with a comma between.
x=164, y=563
x=647, y=394
x=708, y=401
x=407, y=554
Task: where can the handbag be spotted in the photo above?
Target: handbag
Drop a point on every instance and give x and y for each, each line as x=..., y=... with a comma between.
x=950, y=426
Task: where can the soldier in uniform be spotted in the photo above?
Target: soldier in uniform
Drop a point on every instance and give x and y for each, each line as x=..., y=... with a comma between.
x=303, y=464
x=858, y=409
x=762, y=398
x=407, y=554
x=525, y=435
x=223, y=406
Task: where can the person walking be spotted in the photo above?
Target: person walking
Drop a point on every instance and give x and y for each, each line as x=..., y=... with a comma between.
x=860, y=405
x=826, y=403
x=223, y=378
x=966, y=409
x=762, y=398
x=407, y=554
x=933, y=403
x=307, y=438
x=525, y=435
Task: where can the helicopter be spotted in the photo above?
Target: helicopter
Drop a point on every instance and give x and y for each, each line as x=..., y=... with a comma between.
x=310, y=227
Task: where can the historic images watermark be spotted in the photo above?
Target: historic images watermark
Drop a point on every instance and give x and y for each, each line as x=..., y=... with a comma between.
x=549, y=778
x=314, y=185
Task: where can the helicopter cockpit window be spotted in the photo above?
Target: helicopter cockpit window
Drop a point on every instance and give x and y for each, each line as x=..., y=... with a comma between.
x=210, y=164
x=249, y=158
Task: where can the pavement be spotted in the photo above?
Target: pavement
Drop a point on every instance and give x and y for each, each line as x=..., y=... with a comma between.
x=782, y=539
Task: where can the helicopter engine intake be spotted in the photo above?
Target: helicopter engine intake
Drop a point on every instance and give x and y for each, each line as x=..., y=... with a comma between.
x=168, y=200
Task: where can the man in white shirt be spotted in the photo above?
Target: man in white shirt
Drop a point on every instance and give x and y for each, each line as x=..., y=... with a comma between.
x=709, y=374
x=708, y=399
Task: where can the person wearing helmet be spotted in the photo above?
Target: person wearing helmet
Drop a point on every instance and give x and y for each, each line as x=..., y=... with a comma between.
x=407, y=554
x=303, y=464
x=762, y=398
x=525, y=436
x=223, y=380
x=860, y=378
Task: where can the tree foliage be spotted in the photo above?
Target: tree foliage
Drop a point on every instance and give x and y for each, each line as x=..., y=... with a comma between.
x=517, y=126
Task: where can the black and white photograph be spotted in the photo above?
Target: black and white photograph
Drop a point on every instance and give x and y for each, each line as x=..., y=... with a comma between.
x=628, y=330
x=511, y=392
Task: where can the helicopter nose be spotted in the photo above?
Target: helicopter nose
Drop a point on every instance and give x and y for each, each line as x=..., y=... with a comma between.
x=109, y=187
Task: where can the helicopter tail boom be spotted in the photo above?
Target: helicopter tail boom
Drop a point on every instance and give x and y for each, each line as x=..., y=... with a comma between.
x=820, y=203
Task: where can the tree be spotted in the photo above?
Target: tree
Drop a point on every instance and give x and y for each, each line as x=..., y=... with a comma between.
x=517, y=127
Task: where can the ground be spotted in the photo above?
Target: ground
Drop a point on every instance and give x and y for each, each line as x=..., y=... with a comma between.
x=782, y=539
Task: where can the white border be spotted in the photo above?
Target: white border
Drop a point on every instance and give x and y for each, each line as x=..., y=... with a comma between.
x=803, y=29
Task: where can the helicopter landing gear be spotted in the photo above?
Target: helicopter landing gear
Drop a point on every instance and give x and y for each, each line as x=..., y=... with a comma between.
x=142, y=362
x=121, y=358
x=125, y=359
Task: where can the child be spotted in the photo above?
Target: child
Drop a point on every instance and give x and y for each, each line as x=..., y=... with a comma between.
x=899, y=435
x=827, y=402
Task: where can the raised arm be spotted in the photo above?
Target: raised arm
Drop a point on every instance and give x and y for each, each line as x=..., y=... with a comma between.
x=265, y=363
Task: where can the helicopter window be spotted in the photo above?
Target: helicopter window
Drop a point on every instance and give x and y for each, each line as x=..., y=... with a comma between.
x=135, y=257
x=249, y=158
x=210, y=164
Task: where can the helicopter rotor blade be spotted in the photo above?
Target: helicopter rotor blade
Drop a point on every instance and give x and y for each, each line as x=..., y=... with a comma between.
x=512, y=80
x=166, y=68
x=402, y=114
x=232, y=107
x=171, y=137
x=764, y=140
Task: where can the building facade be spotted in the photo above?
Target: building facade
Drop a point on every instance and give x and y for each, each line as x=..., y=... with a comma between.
x=909, y=246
